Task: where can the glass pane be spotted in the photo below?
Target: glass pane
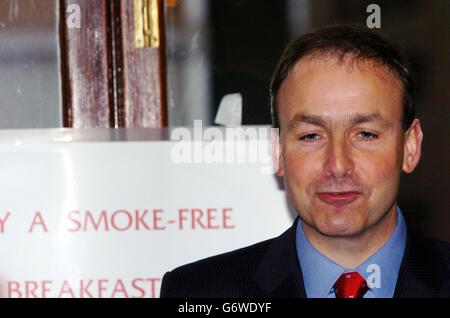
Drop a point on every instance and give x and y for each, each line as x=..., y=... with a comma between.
x=29, y=68
x=221, y=47
x=188, y=57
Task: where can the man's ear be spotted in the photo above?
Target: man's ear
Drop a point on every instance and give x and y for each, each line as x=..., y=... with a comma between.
x=276, y=152
x=412, y=147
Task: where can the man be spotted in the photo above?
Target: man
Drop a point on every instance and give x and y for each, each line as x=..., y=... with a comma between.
x=342, y=99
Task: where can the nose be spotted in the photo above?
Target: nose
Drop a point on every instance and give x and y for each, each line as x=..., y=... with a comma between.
x=338, y=162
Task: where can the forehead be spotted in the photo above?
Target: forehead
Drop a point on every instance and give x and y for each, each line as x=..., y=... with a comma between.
x=324, y=85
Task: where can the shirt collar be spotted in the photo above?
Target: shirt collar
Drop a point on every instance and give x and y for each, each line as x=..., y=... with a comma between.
x=320, y=273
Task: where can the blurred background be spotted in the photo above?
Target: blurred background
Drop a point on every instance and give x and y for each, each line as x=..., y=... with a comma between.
x=212, y=48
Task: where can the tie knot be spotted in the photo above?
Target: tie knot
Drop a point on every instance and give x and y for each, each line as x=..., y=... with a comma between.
x=350, y=285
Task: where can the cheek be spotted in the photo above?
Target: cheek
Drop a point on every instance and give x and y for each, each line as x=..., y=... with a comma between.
x=300, y=169
x=380, y=169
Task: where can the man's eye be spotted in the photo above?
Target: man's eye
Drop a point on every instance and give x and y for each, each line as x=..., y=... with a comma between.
x=367, y=135
x=309, y=137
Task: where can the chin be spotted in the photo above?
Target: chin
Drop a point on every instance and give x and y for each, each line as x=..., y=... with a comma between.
x=340, y=221
x=339, y=226
x=339, y=231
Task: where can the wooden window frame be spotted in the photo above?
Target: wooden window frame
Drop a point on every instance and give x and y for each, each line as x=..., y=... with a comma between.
x=107, y=82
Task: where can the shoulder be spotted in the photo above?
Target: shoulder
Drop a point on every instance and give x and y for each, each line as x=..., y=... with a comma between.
x=224, y=274
x=428, y=260
x=443, y=250
x=429, y=249
x=436, y=270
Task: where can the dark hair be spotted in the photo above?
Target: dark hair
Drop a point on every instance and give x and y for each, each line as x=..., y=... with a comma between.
x=361, y=44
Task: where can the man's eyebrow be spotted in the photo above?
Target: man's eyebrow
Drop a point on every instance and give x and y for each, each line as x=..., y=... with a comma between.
x=367, y=118
x=325, y=122
x=308, y=119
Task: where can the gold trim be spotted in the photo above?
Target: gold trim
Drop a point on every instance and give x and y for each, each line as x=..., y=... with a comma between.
x=146, y=23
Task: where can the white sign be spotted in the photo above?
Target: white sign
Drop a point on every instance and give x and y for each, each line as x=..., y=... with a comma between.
x=108, y=219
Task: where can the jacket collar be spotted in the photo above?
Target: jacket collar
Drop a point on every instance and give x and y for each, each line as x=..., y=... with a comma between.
x=423, y=271
x=278, y=273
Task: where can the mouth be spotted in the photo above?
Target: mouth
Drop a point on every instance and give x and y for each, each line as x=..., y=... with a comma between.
x=339, y=198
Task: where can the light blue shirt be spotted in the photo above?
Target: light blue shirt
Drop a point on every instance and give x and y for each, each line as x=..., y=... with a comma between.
x=380, y=270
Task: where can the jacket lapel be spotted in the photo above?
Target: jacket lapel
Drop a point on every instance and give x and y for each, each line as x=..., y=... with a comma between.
x=423, y=272
x=278, y=273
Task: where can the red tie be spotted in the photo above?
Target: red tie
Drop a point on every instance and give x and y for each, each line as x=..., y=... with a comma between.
x=350, y=285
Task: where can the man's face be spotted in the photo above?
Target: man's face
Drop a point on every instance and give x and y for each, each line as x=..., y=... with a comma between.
x=342, y=143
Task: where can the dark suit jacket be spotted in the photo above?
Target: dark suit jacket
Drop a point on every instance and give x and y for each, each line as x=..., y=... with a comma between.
x=271, y=269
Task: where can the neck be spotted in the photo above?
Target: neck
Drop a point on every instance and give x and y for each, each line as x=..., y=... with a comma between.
x=351, y=251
